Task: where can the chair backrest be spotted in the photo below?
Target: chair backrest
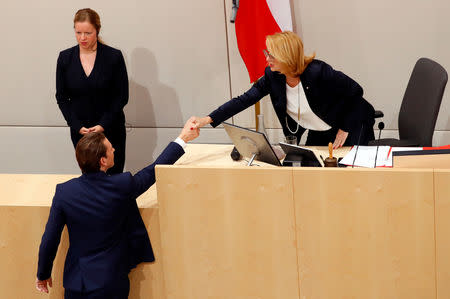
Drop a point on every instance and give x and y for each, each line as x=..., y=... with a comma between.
x=421, y=102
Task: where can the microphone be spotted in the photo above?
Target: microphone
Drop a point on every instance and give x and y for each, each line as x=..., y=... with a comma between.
x=234, y=10
x=380, y=127
x=235, y=154
x=357, y=145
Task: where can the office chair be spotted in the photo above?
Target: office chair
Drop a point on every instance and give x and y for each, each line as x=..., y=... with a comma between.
x=420, y=105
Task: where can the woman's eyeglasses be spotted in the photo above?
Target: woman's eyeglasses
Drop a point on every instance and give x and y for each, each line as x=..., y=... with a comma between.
x=267, y=54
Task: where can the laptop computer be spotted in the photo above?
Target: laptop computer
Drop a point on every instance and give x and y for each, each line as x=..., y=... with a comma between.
x=251, y=144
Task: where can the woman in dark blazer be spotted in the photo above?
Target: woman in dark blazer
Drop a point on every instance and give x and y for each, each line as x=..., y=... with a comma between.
x=92, y=86
x=306, y=93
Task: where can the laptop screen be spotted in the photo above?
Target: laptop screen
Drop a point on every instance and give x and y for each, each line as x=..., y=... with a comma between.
x=251, y=144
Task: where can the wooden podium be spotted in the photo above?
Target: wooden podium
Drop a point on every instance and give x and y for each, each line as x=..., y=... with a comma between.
x=223, y=230
x=296, y=232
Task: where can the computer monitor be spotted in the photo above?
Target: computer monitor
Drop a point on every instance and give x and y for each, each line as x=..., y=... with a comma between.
x=251, y=144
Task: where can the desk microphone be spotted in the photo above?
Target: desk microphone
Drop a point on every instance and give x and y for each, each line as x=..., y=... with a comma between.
x=234, y=10
x=235, y=155
x=357, y=144
x=380, y=127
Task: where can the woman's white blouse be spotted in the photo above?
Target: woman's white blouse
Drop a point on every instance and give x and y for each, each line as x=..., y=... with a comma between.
x=308, y=119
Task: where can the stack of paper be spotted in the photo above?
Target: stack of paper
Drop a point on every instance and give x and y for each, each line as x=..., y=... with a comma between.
x=366, y=156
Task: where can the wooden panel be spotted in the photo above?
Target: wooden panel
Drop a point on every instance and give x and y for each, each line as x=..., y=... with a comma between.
x=21, y=229
x=424, y=159
x=147, y=281
x=30, y=189
x=442, y=214
x=365, y=233
x=24, y=209
x=227, y=233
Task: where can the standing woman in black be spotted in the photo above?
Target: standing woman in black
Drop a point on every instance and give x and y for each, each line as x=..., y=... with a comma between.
x=92, y=86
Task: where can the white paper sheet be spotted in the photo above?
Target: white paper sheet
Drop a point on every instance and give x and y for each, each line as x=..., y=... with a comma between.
x=366, y=156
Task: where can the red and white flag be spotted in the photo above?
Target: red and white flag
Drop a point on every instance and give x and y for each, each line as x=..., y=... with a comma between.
x=255, y=20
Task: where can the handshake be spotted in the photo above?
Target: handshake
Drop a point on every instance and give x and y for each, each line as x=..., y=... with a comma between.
x=191, y=129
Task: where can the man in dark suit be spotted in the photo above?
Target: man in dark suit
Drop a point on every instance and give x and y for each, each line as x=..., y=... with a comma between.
x=106, y=232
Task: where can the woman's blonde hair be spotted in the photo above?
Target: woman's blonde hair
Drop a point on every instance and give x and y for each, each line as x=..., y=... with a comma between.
x=287, y=48
x=90, y=16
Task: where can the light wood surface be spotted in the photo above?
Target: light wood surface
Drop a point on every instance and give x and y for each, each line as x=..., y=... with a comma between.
x=359, y=233
x=227, y=232
x=364, y=233
x=37, y=190
x=21, y=230
x=442, y=214
x=224, y=230
x=24, y=207
x=219, y=155
x=436, y=161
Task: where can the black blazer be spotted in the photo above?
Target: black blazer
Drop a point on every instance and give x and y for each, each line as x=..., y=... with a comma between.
x=106, y=232
x=333, y=96
x=95, y=100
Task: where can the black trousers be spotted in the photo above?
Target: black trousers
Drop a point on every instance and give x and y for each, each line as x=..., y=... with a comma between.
x=119, y=290
x=117, y=137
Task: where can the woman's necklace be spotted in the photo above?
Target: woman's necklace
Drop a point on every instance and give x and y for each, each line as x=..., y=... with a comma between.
x=298, y=113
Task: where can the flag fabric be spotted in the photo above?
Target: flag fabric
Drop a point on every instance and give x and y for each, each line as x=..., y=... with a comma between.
x=255, y=20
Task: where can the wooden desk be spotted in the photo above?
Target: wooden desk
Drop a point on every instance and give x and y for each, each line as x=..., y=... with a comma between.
x=25, y=202
x=264, y=232
x=224, y=230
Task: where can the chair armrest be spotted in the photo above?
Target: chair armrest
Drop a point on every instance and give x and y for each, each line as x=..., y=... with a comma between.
x=378, y=114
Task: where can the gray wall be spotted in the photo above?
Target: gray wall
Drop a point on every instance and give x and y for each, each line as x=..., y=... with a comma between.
x=182, y=60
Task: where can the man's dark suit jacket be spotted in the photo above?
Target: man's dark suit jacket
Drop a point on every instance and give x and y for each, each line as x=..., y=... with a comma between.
x=106, y=232
x=333, y=96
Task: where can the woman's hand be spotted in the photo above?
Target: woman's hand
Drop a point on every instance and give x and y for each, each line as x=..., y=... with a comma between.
x=341, y=136
x=96, y=129
x=83, y=131
x=201, y=121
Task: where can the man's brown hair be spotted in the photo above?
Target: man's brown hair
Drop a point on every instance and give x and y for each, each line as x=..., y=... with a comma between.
x=89, y=150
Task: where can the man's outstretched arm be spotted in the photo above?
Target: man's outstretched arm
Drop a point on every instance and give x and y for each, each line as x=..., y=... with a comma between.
x=146, y=177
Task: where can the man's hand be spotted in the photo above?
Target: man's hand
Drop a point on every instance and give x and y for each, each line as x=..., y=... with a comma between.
x=190, y=131
x=83, y=131
x=41, y=285
x=341, y=136
x=201, y=121
x=96, y=129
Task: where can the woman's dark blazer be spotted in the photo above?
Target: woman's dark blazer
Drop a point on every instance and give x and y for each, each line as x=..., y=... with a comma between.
x=97, y=99
x=332, y=95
